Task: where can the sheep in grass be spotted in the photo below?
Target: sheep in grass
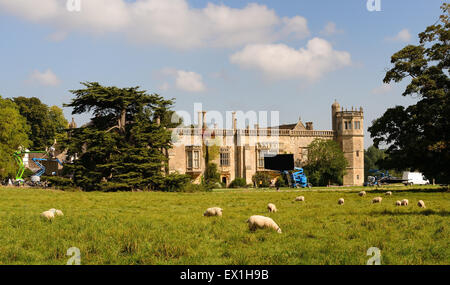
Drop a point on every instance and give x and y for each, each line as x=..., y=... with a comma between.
x=261, y=222
x=215, y=211
x=48, y=215
x=300, y=198
x=421, y=204
x=405, y=202
x=388, y=193
x=272, y=208
x=362, y=193
x=56, y=212
x=398, y=203
x=377, y=200
x=341, y=201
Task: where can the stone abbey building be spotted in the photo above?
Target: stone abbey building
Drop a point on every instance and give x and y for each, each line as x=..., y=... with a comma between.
x=241, y=151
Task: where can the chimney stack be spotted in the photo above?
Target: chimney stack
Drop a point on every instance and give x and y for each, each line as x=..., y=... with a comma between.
x=233, y=119
x=204, y=119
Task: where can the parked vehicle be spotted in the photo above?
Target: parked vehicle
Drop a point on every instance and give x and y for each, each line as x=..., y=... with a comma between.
x=414, y=178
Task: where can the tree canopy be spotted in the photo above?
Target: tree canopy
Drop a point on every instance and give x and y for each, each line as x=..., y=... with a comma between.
x=326, y=163
x=417, y=137
x=124, y=145
x=45, y=122
x=13, y=134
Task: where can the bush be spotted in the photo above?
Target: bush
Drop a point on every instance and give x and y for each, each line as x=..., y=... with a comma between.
x=59, y=182
x=281, y=182
x=238, y=183
x=175, y=182
x=261, y=179
x=191, y=188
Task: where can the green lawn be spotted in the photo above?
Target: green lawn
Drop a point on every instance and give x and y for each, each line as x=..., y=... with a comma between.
x=168, y=228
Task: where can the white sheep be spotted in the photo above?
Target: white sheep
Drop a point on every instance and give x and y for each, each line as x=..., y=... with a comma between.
x=362, y=193
x=398, y=203
x=377, y=200
x=389, y=193
x=421, y=204
x=261, y=222
x=272, y=208
x=56, y=212
x=300, y=198
x=341, y=201
x=49, y=215
x=405, y=202
x=215, y=211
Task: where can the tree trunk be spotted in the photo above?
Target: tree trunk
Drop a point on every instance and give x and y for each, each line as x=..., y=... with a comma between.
x=122, y=120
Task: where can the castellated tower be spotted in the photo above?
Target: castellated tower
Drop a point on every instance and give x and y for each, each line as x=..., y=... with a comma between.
x=349, y=134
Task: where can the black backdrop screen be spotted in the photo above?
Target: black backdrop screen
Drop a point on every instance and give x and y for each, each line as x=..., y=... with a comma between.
x=279, y=162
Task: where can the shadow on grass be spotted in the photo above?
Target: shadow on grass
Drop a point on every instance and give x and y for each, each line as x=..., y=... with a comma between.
x=415, y=213
x=412, y=190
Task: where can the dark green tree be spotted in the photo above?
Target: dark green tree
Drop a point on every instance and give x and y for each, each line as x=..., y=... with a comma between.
x=45, y=123
x=211, y=176
x=418, y=137
x=371, y=158
x=13, y=134
x=125, y=144
x=325, y=164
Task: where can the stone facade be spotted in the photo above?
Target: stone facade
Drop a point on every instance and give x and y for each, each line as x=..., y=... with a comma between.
x=240, y=152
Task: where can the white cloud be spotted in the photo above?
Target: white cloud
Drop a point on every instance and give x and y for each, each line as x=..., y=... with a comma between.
x=331, y=29
x=383, y=89
x=164, y=87
x=189, y=81
x=47, y=78
x=296, y=27
x=402, y=36
x=169, y=22
x=280, y=61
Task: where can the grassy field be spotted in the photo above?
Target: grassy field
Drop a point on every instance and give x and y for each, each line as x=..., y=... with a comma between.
x=168, y=228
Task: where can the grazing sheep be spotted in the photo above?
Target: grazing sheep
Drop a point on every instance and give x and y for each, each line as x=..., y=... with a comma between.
x=362, y=193
x=377, y=200
x=215, y=211
x=261, y=222
x=389, y=193
x=405, y=202
x=421, y=204
x=398, y=203
x=341, y=201
x=49, y=215
x=272, y=208
x=59, y=213
x=300, y=198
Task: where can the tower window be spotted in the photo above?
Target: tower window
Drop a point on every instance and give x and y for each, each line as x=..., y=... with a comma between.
x=357, y=153
x=357, y=125
x=357, y=177
x=346, y=125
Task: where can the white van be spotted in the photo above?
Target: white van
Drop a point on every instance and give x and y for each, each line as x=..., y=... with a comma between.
x=417, y=178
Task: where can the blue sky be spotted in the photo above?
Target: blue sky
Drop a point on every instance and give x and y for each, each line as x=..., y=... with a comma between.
x=295, y=57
